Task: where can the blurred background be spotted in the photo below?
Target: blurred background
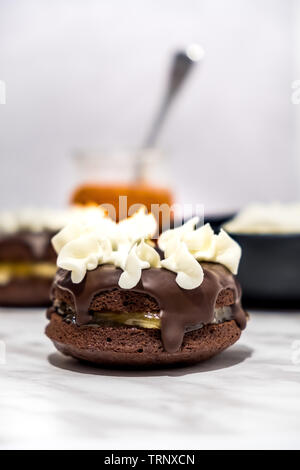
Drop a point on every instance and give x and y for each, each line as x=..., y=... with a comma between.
x=91, y=74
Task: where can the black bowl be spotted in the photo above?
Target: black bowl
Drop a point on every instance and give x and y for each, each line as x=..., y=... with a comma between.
x=269, y=270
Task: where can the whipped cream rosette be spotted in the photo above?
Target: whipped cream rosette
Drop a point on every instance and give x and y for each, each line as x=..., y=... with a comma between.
x=83, y=245
x=185, y=246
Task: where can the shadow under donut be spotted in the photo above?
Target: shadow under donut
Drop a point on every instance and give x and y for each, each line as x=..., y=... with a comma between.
x=229, y=358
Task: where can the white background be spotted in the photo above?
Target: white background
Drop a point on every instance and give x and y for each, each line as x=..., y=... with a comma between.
x=91, y=73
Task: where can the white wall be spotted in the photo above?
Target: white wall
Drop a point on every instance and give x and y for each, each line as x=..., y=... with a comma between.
x=90, y=74
x=296, y=79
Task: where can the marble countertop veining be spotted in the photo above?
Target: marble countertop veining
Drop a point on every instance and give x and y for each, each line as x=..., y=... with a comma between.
x=247, y=397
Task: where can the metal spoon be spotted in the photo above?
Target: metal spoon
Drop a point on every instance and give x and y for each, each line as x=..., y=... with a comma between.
x=181, y=67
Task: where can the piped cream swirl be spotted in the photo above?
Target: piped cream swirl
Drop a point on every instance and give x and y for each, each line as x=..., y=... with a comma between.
x=83, y=246
x=45, y=219
x=184, y=247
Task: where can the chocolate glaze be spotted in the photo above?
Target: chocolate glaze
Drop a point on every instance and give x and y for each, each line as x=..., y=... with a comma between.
x=181, y=309
x=26, y=246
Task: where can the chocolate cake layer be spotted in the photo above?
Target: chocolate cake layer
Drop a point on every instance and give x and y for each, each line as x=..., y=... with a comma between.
x=129, y=347
x=117, y=300
x=30, y=292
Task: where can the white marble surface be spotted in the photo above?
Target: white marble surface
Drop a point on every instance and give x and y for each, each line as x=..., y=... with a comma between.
x=248, y=397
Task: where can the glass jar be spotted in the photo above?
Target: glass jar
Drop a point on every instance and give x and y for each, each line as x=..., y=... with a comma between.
x=117, y=177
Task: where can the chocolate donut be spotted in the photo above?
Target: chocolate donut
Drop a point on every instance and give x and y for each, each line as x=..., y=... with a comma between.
x=27, y=268
x=27, y=257
x=156, y=323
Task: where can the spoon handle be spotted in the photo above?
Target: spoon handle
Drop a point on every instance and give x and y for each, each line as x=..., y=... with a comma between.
x=182, y=64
